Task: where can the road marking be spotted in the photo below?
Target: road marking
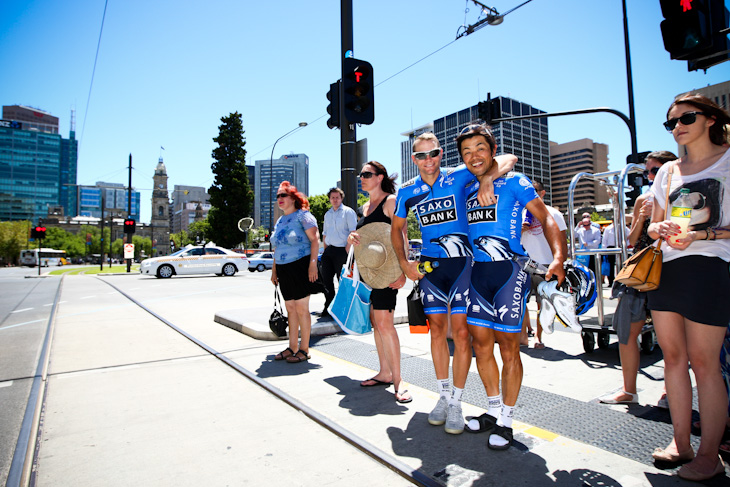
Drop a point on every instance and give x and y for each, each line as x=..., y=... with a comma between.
x=88, y=297
x=6, y=383
x=20, y=324
x=21, y=310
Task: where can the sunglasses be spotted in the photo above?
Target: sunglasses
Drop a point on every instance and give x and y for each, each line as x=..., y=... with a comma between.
x=367, y=174
x=420, y=156
x=282, y=195
x=653, y=170
x=687, y=119
x=473, y=128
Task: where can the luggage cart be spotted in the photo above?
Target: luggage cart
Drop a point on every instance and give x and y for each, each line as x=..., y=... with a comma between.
x=598, y=330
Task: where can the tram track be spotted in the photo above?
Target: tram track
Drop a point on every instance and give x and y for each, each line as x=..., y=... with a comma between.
x=25, y=459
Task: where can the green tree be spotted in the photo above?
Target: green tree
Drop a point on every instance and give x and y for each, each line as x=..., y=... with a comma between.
x=414, y=231
x=361, y=200
x=200, y=231
x=13, y=238
x=318, y=206
x=231, y=197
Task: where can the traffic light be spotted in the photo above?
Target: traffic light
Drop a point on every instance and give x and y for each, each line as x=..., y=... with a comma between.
x=38, y=232
x=358, y=89
x=490, y=109
x=634, y=179
x=334, y=106
x=692, y=31
x=129, y=225
x=266, y=237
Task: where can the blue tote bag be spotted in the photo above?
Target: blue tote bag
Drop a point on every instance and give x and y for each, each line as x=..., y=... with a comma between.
x=351, y=306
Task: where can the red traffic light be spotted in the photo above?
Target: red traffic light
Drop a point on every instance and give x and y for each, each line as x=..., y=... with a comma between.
x=129, y=225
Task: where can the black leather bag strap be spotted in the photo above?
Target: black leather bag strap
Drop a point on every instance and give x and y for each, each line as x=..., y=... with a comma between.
x=277, y=300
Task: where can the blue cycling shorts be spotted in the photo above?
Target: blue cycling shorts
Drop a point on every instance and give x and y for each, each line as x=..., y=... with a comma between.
x=498, y=296
x=447, y=284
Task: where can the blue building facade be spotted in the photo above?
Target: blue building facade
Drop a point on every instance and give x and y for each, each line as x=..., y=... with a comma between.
x=37, y=165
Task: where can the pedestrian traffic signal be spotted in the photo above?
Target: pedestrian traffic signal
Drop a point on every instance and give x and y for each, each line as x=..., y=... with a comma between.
x=358, y=88
x=266, y=237
x=692, y=30
x=334, y=106
x=129, y=225
x=38, y=232
x=490, y=109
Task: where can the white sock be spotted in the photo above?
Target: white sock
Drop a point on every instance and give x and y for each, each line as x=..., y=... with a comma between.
x=444, y=388
x=505, y=419
x=455, y=395
x=494, y=405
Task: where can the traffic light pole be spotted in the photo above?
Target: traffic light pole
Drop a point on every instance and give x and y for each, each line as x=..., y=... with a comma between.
x=348, y=132
x=129, y=208
x=630, y=82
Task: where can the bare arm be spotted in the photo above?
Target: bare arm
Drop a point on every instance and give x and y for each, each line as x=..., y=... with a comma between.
x=556, y=238
x=504, y=164
x=313, y=235
x=397, y=236
x=642, y=211
x=389, y=210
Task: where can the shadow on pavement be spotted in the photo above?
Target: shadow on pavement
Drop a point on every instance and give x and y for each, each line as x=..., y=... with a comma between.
x=366, y=401
x=281, y=368
x=472, y=463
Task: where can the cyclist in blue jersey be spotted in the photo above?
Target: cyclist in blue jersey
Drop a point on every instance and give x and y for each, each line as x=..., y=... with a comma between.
x=437, y=197
x=499, y=287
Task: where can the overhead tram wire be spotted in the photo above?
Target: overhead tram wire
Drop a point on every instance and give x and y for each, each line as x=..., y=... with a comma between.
x=93, y=71
x=486, y=20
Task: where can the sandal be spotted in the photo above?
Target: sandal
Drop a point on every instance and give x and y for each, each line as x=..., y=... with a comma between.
x=300, y=356
x=375, y=382
x=403, y=397
x=283, y=355
x=502, y=432
x=487, y=422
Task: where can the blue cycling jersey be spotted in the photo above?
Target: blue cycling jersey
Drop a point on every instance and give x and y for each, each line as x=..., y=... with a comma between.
x=495, y=231
x=440, y=211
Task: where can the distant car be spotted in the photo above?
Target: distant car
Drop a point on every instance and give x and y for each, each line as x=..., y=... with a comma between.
x=195, y=260
x=261, y=261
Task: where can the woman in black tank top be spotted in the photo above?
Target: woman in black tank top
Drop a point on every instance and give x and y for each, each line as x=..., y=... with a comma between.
x=375, y=180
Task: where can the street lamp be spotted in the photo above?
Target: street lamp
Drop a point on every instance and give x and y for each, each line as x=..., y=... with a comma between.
x=271, y=177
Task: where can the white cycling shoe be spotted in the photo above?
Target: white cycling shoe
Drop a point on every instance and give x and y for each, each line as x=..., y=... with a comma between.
x=556, y=304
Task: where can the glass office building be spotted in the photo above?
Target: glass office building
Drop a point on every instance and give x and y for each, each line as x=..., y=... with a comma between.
x=527, y=139
x=269, y=175
x=37, y=165
x=113, y=196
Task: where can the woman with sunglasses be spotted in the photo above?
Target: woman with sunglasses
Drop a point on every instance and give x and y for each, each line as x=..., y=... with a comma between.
x=296, y=245
x=689, y=309
x=380, y=208
x=630, y=314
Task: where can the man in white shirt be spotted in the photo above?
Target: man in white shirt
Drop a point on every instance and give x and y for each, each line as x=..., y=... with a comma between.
x=339, y=221
x=537, y=247
x=590, y=237
x=609, y=241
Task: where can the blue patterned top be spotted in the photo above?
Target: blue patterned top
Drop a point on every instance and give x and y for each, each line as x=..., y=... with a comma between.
x=290, y=239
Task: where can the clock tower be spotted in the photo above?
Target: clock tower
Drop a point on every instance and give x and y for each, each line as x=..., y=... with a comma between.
x=160, y=212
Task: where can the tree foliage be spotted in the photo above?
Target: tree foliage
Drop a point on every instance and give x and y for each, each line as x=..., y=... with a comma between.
x=13, y=238
x=319, y=204
x=231, y=197
x=414, y=231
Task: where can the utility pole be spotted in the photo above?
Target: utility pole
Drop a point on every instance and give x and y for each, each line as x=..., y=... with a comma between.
x=348, y=132
x=129, y=207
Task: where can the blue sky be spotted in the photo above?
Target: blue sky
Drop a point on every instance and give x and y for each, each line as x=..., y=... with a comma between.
x=167, y=71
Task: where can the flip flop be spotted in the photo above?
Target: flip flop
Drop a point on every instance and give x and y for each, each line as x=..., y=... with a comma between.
x=374, y=383
x=399, y=397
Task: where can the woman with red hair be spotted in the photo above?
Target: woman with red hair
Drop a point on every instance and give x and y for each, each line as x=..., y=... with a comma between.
x=296, y=246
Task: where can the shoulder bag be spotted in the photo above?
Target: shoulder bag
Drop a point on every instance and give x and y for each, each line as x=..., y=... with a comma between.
x=644, y=269
x=417, y=321
x=278, y=322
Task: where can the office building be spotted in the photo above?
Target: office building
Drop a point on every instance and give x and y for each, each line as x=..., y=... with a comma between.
x=113, y=197
x=527, y=139
x=37, y=165
x=567, y=160
x=269, y=175
x=187, y=201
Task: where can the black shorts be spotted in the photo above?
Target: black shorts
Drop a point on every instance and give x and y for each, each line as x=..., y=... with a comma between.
x=696, y=287
x=383, y=298
x=294, y=279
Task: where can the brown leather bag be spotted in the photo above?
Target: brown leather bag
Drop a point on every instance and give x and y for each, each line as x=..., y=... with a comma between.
x=643, y=270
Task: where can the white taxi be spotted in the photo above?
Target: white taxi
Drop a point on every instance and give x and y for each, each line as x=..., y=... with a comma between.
x=207, y=259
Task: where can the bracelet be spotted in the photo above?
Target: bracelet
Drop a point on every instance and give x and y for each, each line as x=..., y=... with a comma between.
x=714, y=234
x=707, y=231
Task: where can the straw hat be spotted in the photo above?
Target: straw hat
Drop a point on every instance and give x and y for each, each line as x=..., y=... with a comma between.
x=375, y=256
